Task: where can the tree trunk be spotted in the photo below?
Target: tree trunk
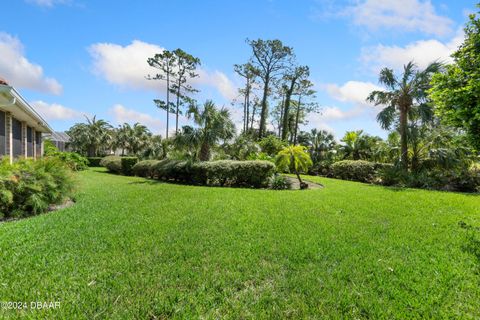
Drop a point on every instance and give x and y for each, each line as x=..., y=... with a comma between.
x=264, y=113
x=248, y=103
x=178, y=106
x=286, y=110
x=168, y=98
x=245, y=120
x=204, y=152
x=296, y=120
x=280, y=122
x=403, y=137
x=253, y=115
x=91, y=151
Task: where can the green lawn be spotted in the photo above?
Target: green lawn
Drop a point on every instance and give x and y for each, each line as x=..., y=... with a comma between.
x=134, y=248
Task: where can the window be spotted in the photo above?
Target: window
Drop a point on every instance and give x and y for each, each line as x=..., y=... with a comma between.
x=29, y=142
x=3, y=134
x=38, y=142
x=17, y=137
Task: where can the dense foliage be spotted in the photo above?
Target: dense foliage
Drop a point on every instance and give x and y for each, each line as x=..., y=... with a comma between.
x=94, y=161
x=29, y=187
x=73, y=160
x=456, y=92
x=220, y=173
x=355, y=170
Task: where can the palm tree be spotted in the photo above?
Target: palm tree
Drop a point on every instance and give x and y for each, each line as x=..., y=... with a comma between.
x=403, y=97
x=294, y=158
x=320, y=142
x=138, y=138
x=91, y=137
x=121, y=137
x=213, y=124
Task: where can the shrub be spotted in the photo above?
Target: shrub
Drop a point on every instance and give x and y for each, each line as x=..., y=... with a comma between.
x=112, y=163
x=279, y=182
x=94, y=161
x=73, y=160
x=177, y=170
x=458, y=179
x=235, y=173
x=127, y=164
x=29, y=187
x=222, y=172
x=355, y=170
x=145, y=168
x=271, y=145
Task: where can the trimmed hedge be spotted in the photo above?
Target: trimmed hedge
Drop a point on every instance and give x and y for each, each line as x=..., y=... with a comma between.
x=127, y=165
x=144, y=168
x=222, y=173
x=355, y=170
x=112, y=163
x=219, y=173
x=117, y=164
x=94, y=161
x=254, y=173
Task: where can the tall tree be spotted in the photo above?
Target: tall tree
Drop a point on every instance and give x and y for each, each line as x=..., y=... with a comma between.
x=304, y=104
x=291, y=83
x=401, y=97
x=166, y=62
x=185, y=65
x=456, y=92
x=270, y=58
x=246, y=71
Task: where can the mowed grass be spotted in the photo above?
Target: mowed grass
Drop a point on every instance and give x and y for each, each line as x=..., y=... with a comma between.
x=136, y=249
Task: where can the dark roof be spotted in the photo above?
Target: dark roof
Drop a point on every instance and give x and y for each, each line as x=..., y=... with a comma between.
x=2, y=81
x=60, y=136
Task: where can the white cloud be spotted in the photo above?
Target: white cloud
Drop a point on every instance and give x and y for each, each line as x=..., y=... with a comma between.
x=405, y=15
x=127, y=66
x=352, y=91
x=422, y=52
x=56, y=111
x=46, y=3
x=122, y=114
x=19, y=71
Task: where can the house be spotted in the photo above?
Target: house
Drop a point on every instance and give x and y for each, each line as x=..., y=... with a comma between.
x=21, y=127
x=60, y=140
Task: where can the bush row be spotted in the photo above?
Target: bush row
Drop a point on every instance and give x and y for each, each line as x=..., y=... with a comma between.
x=459, y=179
x=357, y=170
x=94, y=161
x=121, y=165
x=29, y=187
x=222, y=173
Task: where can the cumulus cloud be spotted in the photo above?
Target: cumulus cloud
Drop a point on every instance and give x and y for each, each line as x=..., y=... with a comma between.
x=56, y=111
x=422, y=52
x=19, y=71
x=352, y=91
x=122, y=114
x=354, y=94
x=405, y=15
x=46, y=3
x=127, y=66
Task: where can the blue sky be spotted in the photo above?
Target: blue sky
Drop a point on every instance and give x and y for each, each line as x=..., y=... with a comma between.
x=76, y=57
